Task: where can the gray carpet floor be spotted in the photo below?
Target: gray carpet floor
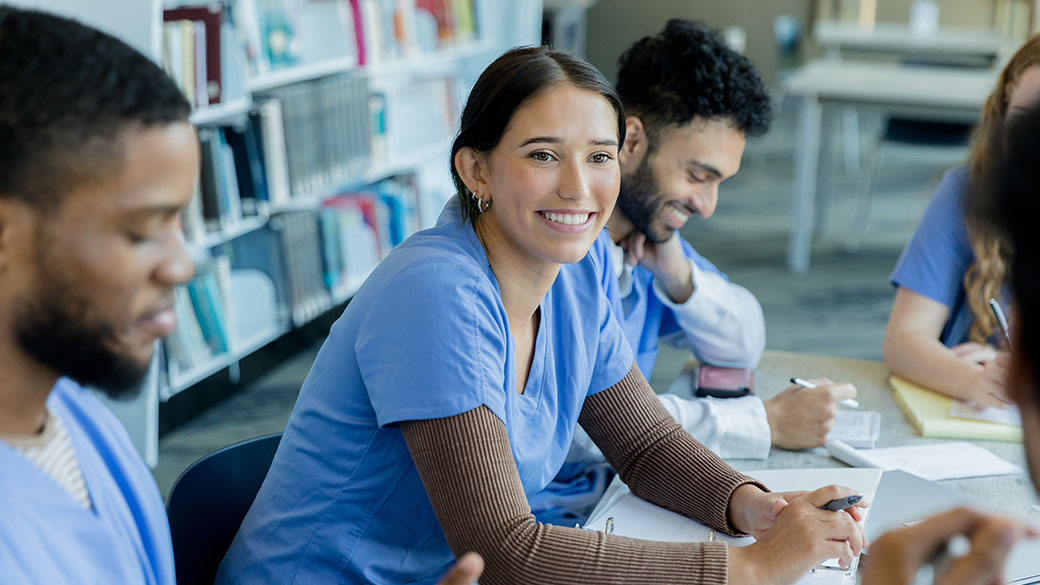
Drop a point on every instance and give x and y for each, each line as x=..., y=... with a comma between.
x=840, y=308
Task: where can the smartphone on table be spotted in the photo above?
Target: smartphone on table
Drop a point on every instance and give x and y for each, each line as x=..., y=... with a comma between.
x=719, y=382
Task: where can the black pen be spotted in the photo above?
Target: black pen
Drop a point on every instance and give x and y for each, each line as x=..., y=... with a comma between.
x=842, y=503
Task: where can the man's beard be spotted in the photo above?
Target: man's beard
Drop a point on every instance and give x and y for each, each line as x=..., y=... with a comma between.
x=641, y=203
x=57, y=329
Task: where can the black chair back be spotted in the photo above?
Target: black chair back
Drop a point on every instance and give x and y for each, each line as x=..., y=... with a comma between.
x=209, y=501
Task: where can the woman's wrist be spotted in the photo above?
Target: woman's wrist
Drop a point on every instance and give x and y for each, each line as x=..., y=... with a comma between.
x=741, y=569
x=740, y=504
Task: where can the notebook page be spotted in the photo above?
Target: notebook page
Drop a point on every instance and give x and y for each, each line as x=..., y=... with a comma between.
x=858, y=428
x=1006, y=416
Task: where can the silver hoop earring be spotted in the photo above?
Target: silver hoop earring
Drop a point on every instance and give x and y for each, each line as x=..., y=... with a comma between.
x=482, y=204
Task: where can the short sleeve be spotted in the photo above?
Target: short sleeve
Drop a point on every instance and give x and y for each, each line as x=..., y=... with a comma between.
x=937, y=257
x=433, y=345
x=614, y=357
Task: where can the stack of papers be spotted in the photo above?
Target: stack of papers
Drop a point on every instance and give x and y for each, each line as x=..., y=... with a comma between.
x=933, y=461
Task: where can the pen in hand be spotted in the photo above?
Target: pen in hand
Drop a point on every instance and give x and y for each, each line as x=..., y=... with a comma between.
x=848, y=402
x=1001, y=320
x=842, y=503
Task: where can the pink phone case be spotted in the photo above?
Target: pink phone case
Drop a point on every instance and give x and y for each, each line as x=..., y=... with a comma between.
x=724, y=382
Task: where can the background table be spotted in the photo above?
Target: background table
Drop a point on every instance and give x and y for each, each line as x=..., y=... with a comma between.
x=925, y=93
x=953, y=43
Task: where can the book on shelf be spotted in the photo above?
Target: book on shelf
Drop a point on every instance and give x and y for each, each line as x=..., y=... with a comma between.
x=204, y=324
x=201, y=55
x=278, y=34
x=231, y=185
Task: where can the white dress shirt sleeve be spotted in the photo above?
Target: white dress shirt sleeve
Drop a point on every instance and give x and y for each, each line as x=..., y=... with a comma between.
x=734, y=428
x=722, y=322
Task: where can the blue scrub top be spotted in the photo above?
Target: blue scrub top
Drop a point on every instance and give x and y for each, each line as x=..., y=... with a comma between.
x=48, y=537
x=644, y=318
x=939, y=254
x=426, y=337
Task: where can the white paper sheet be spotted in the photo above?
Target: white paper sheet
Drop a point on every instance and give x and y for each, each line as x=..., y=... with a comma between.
x=934, y=461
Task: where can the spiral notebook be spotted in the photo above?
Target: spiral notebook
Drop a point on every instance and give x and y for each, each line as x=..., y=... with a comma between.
x=622, y=512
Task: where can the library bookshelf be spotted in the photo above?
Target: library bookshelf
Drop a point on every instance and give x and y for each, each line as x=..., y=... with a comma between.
x=324, y=128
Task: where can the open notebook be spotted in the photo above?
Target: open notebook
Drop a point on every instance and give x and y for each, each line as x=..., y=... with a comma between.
x=637, y=518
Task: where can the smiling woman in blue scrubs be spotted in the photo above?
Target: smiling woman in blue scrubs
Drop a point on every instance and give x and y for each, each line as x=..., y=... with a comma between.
x=449, y=390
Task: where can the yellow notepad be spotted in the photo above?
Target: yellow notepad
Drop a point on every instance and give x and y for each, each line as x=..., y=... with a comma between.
x=929, y=412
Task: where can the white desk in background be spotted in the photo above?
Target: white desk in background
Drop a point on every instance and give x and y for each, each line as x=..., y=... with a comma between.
x=983, y=44
x=1012, y=493
x=926, y=93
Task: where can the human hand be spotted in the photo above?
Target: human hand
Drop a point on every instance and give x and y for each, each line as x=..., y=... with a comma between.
x=989, y=386
x=898, y=555
x=974, y=353
x=753, y=511
x=800, y=418
x=802, y=536
x=665, y=260
x=465, y=572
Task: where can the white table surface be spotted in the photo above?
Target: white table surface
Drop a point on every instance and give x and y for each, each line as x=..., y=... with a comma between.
x=898, y=37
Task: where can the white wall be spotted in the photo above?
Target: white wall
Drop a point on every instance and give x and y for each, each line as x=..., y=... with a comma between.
x=138, y=22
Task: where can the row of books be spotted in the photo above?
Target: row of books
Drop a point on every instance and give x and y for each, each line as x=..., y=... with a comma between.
x=313, y=259
x=316, y=135
x=305, y=140
x=316, y=258
x=282, y=33
x=205, y=326
x=201, y=53
x=396, y=29
x=232, y=182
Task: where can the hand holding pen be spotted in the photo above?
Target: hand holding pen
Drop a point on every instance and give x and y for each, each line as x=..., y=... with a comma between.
x=848, y=402
x=803, y=536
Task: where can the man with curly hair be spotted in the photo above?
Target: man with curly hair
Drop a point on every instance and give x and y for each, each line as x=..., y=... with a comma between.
x=691, y=102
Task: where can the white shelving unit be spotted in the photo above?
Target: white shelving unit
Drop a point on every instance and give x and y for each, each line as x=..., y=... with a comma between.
x=500, y=25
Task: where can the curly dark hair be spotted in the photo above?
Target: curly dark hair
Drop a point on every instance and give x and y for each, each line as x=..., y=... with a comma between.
x=1017, y=186
x=687, y=71
x=67, y=92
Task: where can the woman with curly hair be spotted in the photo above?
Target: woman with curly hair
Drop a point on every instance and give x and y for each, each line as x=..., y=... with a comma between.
x=941, y=332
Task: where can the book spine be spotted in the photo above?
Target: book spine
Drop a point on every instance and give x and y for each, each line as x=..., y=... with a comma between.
x=275, y=164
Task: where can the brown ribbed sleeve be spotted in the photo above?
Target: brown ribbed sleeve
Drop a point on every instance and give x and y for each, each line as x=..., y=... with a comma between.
x=658, y=460
x=470, y=476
